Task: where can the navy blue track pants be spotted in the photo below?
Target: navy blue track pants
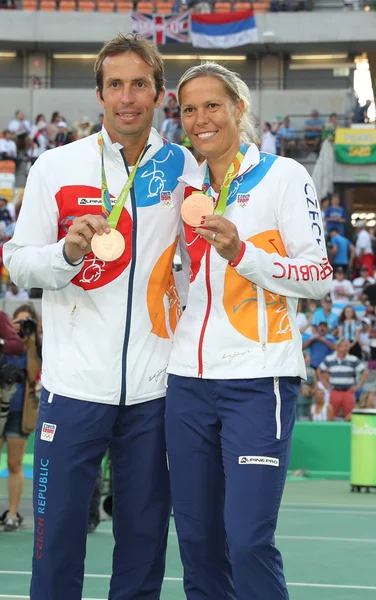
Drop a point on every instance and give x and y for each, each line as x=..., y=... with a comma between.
x=228, y=444
x=71, y=439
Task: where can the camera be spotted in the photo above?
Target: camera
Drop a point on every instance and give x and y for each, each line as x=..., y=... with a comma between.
x=27, y=327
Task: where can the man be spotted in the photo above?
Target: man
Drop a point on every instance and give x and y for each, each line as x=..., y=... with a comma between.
x=361, y=113
x=325, y=314
x=363, y=247
x=335, y=216
x=19, y=126
x=362, y=282
x=341, y=290
x=313, y=129
x=342, y=251
x=338, y=373
x=8, y=148
x=320, y=344
x=107, y=327
x=285, y=138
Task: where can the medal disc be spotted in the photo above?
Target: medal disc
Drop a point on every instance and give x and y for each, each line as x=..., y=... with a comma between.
x=108, y=246
x=195, y=207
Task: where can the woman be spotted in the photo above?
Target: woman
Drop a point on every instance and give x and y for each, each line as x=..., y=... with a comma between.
x=320, y=411
x=349, y=328
x=13, y=435
x=236, y=363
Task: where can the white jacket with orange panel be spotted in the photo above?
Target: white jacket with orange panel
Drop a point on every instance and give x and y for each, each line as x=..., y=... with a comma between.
x=240, y=322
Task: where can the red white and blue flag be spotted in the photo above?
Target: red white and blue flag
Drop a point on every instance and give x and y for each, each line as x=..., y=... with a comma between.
x=162, y=29
x=223, y=30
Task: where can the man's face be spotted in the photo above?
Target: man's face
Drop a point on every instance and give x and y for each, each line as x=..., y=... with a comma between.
x=3, y=204
x=327, y=306
x=315, y=115
x=322, y=330
x=340, y=276
x=335, y=200
x=20, y=115
x=129, y=96
x=9, y=135
x=286, y=122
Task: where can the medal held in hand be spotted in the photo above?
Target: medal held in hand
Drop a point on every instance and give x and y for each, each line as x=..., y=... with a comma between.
x=110, y=246
x=195, y=207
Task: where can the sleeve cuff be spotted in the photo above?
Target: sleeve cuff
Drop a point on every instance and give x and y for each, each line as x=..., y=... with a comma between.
x=71, y=264
x=237, y=261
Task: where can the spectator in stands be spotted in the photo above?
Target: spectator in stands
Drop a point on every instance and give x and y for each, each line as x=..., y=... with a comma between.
x=329, y=130
x=5, y=215
x=98, y=126
x=19, y=126
x=320, y=411
x=62, y=137
x=8, y=148
x=172, y=129
x=349, y=328
x=15, y=293
x=285, y=138
x=171, y=107
x=341, y=252
x=268, y=143
x=368, y=399
x=38, y=142
x=34, y=129
x=320, y=344
x=52, y=129
x=365, y=338
x=83, y=128
x=307, y=386
x=339, y=373
x=313, y=129
x=363, y=248
x=361, y=113
x=341, y=288
x=325, y=314
x=14, y=435
x=335, y=216
x=362, y=282
x=369, y=295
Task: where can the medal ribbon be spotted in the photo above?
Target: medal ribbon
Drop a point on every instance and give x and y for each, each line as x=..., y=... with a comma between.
x=232, y=173
x=109, y=212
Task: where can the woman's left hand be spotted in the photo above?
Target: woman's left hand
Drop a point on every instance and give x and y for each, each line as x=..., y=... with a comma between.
x=223, y=235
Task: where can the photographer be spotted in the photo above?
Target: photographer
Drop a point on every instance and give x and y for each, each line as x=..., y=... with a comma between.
x=22, y=414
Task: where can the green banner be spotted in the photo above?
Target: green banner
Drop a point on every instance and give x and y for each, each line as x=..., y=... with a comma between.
x=363, y=448
x=355, y=146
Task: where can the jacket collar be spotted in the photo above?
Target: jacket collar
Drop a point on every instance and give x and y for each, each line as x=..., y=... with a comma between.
x=196, y=178
x=154, y=144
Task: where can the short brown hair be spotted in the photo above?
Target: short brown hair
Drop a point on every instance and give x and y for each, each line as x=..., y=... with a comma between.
x=131, y=43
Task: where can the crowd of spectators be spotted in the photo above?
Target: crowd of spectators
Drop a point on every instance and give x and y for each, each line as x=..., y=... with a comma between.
x=339, y=333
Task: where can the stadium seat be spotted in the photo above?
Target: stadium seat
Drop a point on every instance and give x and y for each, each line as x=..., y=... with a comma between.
x=67, y=5
x=145, y=7
x=106, y=6
x=243, y=6
x=86, y=5
x=124, y=6
x=261, y=7
x=49, y=5
x=164, y=8
x=222, y=7
x=29, y=4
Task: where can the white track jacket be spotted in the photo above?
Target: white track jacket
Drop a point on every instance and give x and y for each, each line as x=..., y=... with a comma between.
x=240, y=321
x=107, y=326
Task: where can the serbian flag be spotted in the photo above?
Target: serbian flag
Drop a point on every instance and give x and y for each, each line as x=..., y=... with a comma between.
x=223, y=30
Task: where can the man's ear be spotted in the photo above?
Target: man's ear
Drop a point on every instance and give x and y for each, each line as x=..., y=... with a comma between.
x=99, y=96
x=160, y=98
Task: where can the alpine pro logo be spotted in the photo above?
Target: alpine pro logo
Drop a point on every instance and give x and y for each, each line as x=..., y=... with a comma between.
x=48, y=432
x=166, y=199
x=92, y=201
x=259, y=460
x=242, y=200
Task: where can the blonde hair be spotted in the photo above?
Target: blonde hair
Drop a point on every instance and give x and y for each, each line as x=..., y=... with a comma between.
x=235, y=87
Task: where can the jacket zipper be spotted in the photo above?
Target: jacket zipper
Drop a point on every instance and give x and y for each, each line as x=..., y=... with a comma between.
x=208, y=308
x=123, y=391
x=262, y=318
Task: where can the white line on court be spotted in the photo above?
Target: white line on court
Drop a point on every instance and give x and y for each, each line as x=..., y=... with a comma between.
x=337, y=512
x=308, y=585
x=308, y=538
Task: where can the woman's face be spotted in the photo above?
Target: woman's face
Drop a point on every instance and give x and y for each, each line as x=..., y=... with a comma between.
x=349, y=313
x=319, y=396
x=210, y=117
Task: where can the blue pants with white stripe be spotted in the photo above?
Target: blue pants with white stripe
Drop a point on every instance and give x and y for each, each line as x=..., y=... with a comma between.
x=228, y=444
x=71, y=439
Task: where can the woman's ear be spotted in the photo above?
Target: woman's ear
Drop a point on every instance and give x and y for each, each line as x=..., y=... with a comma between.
x=240, y=110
